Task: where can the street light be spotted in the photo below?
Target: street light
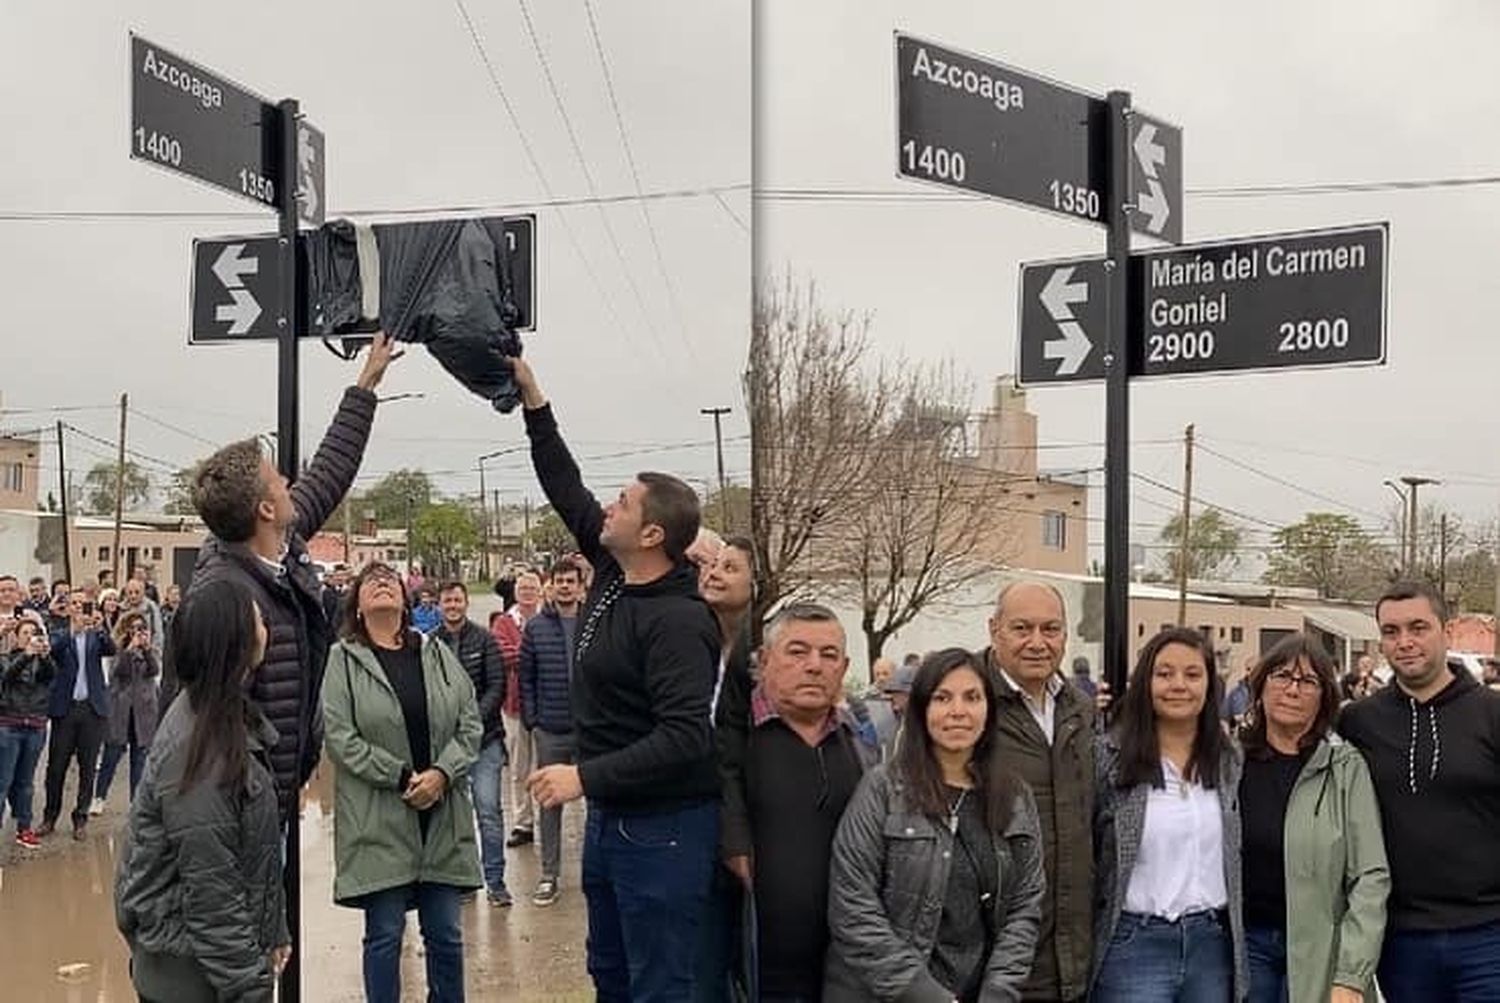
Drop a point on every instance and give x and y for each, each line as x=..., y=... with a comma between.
x=1405, y=570
x=484, y=550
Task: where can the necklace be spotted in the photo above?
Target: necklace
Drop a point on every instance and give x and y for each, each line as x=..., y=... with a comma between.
x=953, y=809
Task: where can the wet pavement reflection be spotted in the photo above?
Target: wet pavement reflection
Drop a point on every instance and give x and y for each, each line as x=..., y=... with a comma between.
x=58, y=939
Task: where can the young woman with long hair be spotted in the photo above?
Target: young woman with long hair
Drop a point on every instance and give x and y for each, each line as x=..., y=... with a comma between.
x=1315, y=871
x=198, y=890
x=1167, y=835
x=937, y=874
x=401, y=726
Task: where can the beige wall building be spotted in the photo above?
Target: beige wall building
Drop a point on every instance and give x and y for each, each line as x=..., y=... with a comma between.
x=167, y=546
x=20, y=463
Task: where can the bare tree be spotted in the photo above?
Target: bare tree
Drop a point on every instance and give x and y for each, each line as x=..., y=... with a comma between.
x=932, y=524
x=858, y=489
x=814, y=411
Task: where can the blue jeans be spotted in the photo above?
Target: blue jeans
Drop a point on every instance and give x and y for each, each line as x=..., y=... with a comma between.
x=385, y=922
x=646, y=879
x=484, y=784
x=1265, y=950
x=112, y=756
x=1459, y=965
x=1153, y=960
x=20, y=749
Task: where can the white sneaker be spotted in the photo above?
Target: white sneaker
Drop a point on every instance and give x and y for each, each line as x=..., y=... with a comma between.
x=97, y=808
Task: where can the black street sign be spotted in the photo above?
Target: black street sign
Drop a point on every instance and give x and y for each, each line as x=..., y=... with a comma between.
x=236, y=293
x=975, y=124
x=1297, y=300
x=193, y=121
x=1155, y=178
x=236, y=290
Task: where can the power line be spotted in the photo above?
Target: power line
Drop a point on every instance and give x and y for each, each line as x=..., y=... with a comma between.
x=635, y=175
x=732, y=214
x=489, y=209
x=536, y=166
x=174, y=428
x=588, y=176
x=1289, y=484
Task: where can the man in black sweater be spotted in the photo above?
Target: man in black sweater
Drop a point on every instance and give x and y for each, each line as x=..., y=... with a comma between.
x=645, y=662
x=790, y=761
x=1432, y=740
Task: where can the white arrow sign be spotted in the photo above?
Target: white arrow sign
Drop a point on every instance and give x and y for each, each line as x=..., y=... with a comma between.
x=241, y=314
x=1058, y=296
x=1153, y=203
x=230, y=266
x=1148, y=151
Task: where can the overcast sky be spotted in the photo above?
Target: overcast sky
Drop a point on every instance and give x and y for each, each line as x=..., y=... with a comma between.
x=1266, y=94
x=96, y=307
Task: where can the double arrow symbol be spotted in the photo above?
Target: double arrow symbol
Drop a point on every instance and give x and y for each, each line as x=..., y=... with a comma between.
x=1151, y=154
x=230, y=269
x=1058, y=296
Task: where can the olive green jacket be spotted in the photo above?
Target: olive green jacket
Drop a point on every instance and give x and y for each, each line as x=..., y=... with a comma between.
x=1336, y=876
x=377, y=838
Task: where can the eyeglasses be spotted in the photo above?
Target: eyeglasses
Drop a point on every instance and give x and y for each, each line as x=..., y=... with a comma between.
x=1287, y=680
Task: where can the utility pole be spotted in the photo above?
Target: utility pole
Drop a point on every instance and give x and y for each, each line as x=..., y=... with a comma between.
x=499, y=529
x=1187, y=527
x=348, y=520
x=410, y=551
x=119, y=491
x=1411, y=518
x=526, y=528
x=484, y=526
x=718, y=413
x=1443, y=557
x=62, y=480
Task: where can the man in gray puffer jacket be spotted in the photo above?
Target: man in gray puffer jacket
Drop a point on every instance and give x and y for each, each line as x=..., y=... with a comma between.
x=198, y=890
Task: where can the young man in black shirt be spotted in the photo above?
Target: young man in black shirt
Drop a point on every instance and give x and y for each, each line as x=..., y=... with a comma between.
x=1432, y=739
x=645, y=662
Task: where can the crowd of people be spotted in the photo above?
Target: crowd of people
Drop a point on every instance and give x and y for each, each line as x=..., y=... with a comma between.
x=970, y=828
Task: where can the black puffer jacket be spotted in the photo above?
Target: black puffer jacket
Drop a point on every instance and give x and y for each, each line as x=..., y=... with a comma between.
x=199, y=877
x=287, y=683
x=26, y=685
x=480, y=656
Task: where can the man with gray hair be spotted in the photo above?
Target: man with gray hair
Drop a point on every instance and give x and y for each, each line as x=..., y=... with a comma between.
x=260, y=525
x=1045, y=731
x=790, y=763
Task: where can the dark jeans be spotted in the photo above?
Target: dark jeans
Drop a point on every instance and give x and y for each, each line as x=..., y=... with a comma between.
x=20, y=749
x=1153, y=960
x=1265, y=951
x=385, y=922
x=76, y=736
x=718, y=951
x=646, y=879
x=1463, y=966
x=112, y=756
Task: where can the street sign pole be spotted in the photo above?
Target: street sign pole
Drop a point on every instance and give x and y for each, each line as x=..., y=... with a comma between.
x=287, y=455
x=1117, y=400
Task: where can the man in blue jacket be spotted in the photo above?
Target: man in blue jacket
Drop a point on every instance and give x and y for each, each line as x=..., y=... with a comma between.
x=546, y=678
x=79, y=709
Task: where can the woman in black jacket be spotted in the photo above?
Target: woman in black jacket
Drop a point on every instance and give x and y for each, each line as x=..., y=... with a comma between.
x=937, y=879
x=25, y=686
x=198, y=890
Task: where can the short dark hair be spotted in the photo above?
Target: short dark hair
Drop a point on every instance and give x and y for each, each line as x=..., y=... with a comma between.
x=9, y=578
x=1135, y=731
x=226, y=488
x=105, y=573
x=1413, y=589
x=353, y=626
x=668, y=502
x=63, y=582
x=1287, y=652
x=450, y=586
x=37, y=580
x=566, y=566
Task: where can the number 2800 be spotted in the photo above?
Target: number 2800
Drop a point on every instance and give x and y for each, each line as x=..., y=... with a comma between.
x=1313, y=335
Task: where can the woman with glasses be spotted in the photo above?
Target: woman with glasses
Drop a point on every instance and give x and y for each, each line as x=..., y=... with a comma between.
x=936, y=888
x=1315, y=872
x=1167, y=835
x=402, y=729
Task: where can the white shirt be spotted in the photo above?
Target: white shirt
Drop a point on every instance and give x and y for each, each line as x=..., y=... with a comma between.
x=1045, y=712
x=1180, y=866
